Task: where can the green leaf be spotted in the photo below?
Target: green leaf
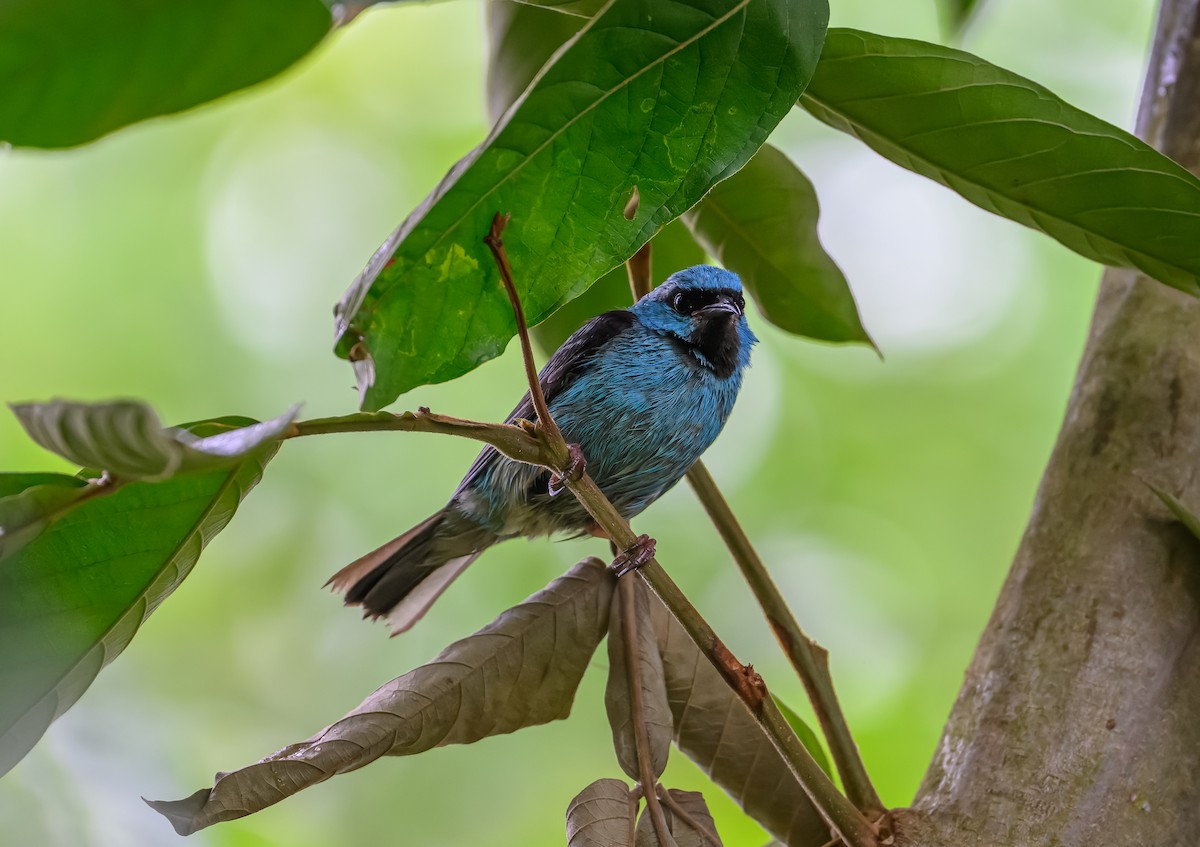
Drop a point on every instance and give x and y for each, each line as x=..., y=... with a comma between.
x=667, y=98
x=29, y=502
x=1010, y=146
x=521, y=38
x=806, y=735
x=714, y=729
x=618, y=702
x=673, y=249
x=761, y=223
x=72, y=598
x=693, y=828
x=1185, y=515
x=601, y=816
x=126, y=439
x=71, y=72
x=521, y=670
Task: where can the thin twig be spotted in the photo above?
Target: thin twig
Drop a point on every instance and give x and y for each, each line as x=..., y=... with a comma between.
x=634, y=797
x=496, y=244
x=641, y=739
x=810, y=660
x=839, y=812
x=513, y=441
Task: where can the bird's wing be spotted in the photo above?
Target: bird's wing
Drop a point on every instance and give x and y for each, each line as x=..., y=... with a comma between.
x=564, y=366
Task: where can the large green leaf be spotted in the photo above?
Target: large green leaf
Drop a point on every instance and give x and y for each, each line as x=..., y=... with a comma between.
x=761, y=223
x=521, y=39
x=71, y=72
x=73, y=597
x=521, y=670
x=126, y=438
x=667, y=98
x=1013, y=148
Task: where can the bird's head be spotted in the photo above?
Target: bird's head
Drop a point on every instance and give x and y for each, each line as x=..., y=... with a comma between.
x=703, y=311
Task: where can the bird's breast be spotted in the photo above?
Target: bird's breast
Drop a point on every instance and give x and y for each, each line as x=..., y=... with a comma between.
x=644, y=413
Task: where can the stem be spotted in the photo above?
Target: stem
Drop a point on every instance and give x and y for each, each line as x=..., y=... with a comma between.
x=641, y=739
x=810, y=660
x=495, y=243
x=513, y=441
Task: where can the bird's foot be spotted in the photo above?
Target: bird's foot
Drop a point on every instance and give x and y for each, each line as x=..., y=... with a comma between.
x=573, y=472
x=634, y=557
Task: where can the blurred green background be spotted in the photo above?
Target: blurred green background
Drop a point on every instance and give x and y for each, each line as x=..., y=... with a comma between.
x=193, y=261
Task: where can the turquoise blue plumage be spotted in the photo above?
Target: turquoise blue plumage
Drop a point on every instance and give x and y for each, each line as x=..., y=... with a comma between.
x=642, y=391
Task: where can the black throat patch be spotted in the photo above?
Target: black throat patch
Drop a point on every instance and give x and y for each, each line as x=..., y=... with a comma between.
x=716, y=341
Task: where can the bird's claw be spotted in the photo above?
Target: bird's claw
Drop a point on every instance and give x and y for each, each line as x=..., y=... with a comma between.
x=635, y=556
x=573, y=472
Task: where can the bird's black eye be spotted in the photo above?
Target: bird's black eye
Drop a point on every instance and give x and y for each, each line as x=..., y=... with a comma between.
x=679, y=303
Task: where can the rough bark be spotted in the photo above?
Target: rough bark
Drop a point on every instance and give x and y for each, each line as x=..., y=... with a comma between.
x=1079, y=718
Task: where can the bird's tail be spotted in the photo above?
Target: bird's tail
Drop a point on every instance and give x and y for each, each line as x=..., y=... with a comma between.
x=401, y=580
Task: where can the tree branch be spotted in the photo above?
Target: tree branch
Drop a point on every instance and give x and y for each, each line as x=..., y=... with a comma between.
x=810, y=659
x=515, y=441
x=553, y=440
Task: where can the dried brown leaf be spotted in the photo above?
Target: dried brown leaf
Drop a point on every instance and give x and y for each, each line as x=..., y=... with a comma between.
x=601, y=816
x=521, y=670
x=617, y=701
x=716, y=730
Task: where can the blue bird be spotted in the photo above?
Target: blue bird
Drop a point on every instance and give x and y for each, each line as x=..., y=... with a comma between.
x=642, y=391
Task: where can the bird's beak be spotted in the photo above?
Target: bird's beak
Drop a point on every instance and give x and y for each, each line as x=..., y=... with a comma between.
x=723, y=305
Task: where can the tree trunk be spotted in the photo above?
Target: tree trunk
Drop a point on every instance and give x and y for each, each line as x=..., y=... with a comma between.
x=1079, y=718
